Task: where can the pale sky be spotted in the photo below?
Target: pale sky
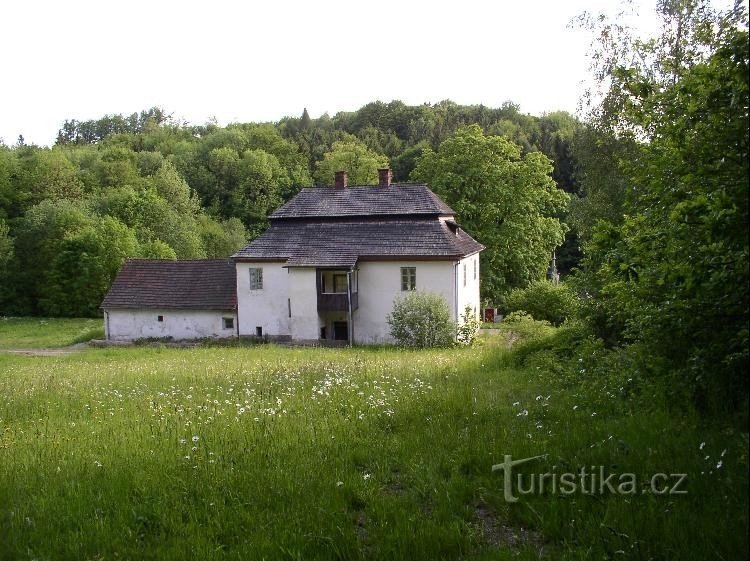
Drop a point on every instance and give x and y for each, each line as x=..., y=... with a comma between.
x=259, y=61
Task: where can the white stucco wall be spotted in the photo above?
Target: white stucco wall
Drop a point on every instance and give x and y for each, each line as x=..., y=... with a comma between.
x=305, y=322
x=468, y=294
x=268, y=307
x=380, y=283
x=128, y=325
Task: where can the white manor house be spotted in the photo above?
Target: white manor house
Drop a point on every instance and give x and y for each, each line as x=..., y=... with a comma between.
x=328, y=268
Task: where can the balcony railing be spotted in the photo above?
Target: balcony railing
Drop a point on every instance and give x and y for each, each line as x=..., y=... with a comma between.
x=336, y=301
x=333, y=295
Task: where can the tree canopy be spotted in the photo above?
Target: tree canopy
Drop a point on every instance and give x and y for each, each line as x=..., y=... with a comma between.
x=507, y=200
x=192, y=191
x=668, y=269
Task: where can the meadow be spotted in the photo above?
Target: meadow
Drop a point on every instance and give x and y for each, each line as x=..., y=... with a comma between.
x=40, y=333
x=270, y=452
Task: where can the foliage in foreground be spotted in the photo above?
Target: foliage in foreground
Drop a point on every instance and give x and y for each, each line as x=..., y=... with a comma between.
x=668, y=271
x=286, y=453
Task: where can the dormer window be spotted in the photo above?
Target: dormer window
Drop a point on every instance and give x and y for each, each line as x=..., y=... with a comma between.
x=452, y=226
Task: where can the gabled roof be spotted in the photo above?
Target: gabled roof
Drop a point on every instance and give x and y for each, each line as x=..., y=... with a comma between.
x=200, y=284
x=399, y=199
x=316, y=243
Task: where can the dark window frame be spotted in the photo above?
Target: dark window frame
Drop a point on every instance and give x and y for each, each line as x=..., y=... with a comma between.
x=256, y=278
x=408, y=279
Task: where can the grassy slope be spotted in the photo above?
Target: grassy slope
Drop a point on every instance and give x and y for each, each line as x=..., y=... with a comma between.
x=336, y=453
x=40, y=333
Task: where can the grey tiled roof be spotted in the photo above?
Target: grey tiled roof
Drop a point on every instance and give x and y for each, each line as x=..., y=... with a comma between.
x=201, y=284
x=339, y=242
x=398, y=199
x=341, y=259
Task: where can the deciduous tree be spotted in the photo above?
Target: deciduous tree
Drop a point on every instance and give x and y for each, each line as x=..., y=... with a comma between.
x=507, y=201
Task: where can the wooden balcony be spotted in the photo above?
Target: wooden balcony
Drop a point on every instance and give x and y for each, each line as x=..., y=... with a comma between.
x=333, y=288
x=336, y=301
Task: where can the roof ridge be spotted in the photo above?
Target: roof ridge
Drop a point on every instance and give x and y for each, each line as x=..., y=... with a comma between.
x=167, y=260
x=363, y=200
x=370, y=186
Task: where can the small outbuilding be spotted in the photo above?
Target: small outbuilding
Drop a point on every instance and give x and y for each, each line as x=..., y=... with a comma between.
x=159, y=298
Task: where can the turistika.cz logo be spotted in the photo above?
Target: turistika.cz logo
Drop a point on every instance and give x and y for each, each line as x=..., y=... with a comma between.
x=589, y=480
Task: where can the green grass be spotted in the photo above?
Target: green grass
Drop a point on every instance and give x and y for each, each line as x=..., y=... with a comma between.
x=44, y=333
x=283, y=453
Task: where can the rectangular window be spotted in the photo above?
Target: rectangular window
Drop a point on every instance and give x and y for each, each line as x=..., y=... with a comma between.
x=159, y=318
x=228, y=323
x=339, y=284
x=256, y=278
x=289, y=306
x=464, y=274
x=408, y=278
x=476, y=260
x=259, y=331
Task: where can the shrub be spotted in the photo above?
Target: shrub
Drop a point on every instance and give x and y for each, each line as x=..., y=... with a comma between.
x=543, y=300
x=421, y=319
x=467, y=330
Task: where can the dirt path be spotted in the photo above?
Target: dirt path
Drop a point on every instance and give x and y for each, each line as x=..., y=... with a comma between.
x=63, y=351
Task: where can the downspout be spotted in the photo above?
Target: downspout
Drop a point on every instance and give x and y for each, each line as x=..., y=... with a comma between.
x=237, y=323
x=106, y=325
x=349, y=306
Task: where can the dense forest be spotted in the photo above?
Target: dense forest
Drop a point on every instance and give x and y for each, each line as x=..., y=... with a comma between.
x=145, y=185
x=644, y=198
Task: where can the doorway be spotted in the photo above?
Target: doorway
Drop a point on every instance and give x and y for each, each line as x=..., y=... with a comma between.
x=340, y=331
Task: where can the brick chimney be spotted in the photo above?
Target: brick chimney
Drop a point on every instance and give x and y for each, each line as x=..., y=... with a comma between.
x=341, y=180
x=384, y=177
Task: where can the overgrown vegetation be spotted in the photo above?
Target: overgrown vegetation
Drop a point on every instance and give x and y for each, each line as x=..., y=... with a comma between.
x=666, y=260
x=272, y=452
